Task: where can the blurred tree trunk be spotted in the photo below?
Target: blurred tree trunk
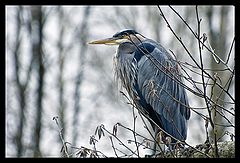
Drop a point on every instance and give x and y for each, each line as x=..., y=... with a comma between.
x=155, y=22
x=82, y=37
x=37, y=43
x=21, y=82
x=19, y=85
x=218, y=42
x=61, y=62
x=125, y=19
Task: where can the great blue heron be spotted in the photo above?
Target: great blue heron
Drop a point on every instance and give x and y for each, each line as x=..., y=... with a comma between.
x=153, y=80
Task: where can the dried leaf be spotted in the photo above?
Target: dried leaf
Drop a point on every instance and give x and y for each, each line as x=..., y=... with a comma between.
x=115, y=129
x=96, y=130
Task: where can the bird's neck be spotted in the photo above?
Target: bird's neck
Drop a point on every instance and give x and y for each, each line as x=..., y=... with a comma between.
x=137, y=39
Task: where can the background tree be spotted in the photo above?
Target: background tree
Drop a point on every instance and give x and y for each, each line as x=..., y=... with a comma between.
x=221, y=45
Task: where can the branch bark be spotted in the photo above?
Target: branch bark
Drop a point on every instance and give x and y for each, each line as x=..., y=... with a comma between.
x=226, y=150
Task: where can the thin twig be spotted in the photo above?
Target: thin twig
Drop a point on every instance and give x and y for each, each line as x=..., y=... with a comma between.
x=225, y=63
x=230, y=51
x=61, y=136
x=134, y=129
x=204, y=87
x=185, y=48
x=120, y=142
x=114, y=149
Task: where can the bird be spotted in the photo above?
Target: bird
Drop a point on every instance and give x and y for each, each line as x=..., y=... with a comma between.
x=153, y=80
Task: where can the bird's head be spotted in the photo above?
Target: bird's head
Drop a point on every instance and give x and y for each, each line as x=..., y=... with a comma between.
x=128, y=35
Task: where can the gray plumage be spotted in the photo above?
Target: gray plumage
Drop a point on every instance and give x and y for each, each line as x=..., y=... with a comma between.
x=153, y=80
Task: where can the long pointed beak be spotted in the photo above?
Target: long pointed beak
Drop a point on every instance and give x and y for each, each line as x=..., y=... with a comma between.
x=107, y=41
